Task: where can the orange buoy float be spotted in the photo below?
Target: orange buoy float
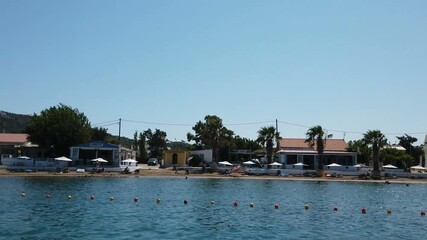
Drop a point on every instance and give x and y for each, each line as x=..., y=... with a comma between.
x=235, y=204
x=363, y=211
x=276, y=206
x=423, y=213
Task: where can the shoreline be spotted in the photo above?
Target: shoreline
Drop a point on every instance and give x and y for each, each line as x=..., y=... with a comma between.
x=168, y=173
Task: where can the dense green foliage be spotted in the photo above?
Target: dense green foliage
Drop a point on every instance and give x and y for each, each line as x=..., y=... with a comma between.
x=396, y=157
x=364, y=151
x=59, y=127
x=376, y=140
x=156, y=142
x=211, y=134
x=139, y=142
x=266, y=137
x=316, y=136
x=99, y=134
x=415, y=152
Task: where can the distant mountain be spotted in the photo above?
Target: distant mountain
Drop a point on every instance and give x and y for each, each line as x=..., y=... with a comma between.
x=12, y=122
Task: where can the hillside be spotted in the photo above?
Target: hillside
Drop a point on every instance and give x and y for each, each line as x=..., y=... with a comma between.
x=12, y=122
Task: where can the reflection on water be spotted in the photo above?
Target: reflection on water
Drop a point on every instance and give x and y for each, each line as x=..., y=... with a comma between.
x=36, y=216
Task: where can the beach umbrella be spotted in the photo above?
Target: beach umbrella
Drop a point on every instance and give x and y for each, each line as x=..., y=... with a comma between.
x=275, y=164
x=334, y=165
x=99, y=160
x=225, y=163
x=359, y=165
x=418, y=167
x=129, y=161
x=64, y=159
x=389, y=166
x=248, y=163
x=300, y=164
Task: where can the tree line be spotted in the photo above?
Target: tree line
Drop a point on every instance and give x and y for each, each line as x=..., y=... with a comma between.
x=59, y=127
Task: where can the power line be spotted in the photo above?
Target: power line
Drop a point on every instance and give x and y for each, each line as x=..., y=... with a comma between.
x=248, y=123
x=108, y=122
x=294, y=124
x=354, y=132
x=158, y=123
x=113, y=122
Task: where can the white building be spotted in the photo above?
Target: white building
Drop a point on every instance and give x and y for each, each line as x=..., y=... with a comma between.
x=296, y=150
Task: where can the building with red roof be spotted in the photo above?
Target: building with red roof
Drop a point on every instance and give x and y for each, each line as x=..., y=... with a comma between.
x=17, y=144
x=296, y=150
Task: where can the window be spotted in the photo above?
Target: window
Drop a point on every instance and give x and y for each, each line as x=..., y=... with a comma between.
x=291, y=159
x=175, y=158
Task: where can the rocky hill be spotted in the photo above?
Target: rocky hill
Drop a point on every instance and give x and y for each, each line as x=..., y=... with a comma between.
x=12, y=122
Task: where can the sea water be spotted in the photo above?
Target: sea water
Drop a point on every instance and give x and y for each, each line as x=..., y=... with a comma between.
x=37, y=216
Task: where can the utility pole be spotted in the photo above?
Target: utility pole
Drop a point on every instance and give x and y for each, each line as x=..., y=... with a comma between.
x=277, y=134
x=120, y=128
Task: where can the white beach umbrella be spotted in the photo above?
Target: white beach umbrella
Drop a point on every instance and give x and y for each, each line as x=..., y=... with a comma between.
x=275, y=164
x=359, y=165
x=225, y=163
x=300, y=164
x=99, y=160
x=64, y=159
x=389, y=166
x=129, y=161
x=248, y=163
x=334, y=165
x=418, y=167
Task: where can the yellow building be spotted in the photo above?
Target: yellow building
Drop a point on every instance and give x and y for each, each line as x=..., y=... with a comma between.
x=176, y=158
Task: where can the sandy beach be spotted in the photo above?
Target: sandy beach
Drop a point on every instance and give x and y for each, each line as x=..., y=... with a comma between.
x=169, y=173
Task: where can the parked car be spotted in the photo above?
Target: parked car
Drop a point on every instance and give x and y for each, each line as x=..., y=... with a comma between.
x=152, y=162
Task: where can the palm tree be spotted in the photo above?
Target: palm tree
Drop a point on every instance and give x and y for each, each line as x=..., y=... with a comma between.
x=316, y=136
x=266, y=136
x=376, y=140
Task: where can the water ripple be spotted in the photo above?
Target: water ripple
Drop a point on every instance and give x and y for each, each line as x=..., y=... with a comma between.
x=37, y=217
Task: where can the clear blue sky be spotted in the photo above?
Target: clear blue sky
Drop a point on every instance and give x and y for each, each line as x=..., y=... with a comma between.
x=345, y=65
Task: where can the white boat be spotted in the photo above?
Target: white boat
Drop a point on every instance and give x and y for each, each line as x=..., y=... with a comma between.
x=129, y=165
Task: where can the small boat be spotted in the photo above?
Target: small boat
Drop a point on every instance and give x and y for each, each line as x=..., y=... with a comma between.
x=129, y=166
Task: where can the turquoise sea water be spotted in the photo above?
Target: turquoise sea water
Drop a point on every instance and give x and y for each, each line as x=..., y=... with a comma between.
x=37, y=217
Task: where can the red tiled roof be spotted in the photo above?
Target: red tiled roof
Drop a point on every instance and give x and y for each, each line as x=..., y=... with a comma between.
x=13, y=138
x=299, y=144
